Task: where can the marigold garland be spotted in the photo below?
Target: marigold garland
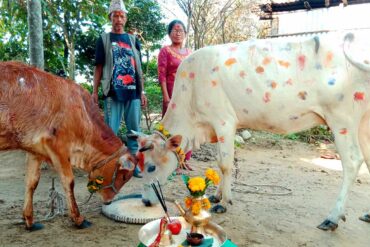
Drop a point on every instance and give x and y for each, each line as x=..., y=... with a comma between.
x=95, y=185
x=179, y=151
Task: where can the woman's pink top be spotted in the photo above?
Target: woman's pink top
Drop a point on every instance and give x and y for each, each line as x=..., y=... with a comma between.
x=168, y=61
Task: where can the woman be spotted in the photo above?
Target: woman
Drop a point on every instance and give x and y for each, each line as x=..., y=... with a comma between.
x=169, y=59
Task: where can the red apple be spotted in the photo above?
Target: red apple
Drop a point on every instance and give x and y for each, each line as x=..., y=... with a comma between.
x=174, y=226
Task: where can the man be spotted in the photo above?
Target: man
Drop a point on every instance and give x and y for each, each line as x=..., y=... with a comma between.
x=118, y=71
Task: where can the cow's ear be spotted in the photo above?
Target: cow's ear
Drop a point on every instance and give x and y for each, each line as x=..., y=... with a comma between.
x=174, y=142
x=127, y=162
x=135, y=135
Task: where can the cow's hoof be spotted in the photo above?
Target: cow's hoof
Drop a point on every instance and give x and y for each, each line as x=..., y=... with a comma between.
x=328, y=225
x=365, y=218
x=146, y=202
x=214, y=199
x=35, y=227
x=85, y=224
x=218, y=209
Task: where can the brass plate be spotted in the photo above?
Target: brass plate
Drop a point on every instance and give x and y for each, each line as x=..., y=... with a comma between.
x=149, y=232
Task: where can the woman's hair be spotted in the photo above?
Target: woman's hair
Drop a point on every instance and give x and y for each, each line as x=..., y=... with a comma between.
x=173, y=23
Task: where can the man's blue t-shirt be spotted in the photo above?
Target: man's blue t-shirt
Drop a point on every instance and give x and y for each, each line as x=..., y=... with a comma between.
x=124, y=80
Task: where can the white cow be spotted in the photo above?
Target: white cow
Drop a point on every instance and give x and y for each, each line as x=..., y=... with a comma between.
x=276, y=85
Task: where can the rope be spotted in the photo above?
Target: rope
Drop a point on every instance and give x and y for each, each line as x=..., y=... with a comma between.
x=263, y=189
x=56, y=203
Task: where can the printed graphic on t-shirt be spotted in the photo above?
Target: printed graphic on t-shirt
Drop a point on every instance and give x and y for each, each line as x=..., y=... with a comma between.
x=123, y=67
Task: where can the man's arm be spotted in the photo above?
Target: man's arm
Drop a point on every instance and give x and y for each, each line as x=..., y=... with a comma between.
x=98, y=72
x=144, y=100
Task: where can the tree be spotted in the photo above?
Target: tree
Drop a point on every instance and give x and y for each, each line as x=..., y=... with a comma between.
x=70, y=31
x=35, y=37
x=212, y=20
x=71, y=18
x=144, y=19
x=13, y=31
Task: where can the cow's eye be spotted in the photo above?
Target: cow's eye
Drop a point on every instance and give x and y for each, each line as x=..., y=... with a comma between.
x=150, y=168
x=146, y=147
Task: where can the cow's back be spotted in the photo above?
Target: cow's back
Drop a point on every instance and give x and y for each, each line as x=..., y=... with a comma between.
x=270, y=84
x=36, y=105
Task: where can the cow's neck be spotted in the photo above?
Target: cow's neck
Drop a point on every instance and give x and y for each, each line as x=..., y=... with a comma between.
x=100, y=152
x=183, y=128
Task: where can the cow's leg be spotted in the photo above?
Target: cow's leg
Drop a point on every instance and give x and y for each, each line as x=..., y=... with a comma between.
x=225, y=135
x=64, y=169
x=32, y=180
x=348, y=147
x=67, y=179
x=364, y=136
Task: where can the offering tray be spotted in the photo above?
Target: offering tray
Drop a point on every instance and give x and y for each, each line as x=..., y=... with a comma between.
x=148, y=233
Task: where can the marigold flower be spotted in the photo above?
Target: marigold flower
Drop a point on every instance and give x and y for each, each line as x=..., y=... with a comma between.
x=166, y=133
x=196, y=184
x=160, y=127
x=206, y=203
x=197, y=206
x=188, y=202
x=213, y=176
x=99, y=181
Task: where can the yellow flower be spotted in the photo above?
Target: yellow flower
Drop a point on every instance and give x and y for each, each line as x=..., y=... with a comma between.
x=213, y=176
x=188, y=202
x=197, y=206
x=206, y=203
x=166, y=133
x=196, y=184
x=99, y=181
x=160, y=127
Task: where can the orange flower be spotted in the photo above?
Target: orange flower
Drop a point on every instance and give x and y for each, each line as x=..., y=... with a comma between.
x=188, y=202
x=196, y=184
x=197, y=206
x=206, y=203
x=213, y=176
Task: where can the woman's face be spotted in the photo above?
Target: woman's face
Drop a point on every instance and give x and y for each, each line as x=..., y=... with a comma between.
x=177, y=34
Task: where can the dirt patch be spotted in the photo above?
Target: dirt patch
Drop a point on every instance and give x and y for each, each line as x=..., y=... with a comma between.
x=282, y=191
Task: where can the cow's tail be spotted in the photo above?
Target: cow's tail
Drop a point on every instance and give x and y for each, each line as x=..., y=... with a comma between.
x=362, y=65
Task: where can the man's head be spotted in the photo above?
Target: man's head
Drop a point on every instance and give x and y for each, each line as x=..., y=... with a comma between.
x=117, y=15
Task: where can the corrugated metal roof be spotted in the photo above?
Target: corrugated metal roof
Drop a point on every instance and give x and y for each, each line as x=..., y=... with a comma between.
x=291, y=5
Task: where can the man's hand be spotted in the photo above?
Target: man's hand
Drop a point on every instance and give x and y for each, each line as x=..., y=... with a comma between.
x=144, y=100
x=95, y=97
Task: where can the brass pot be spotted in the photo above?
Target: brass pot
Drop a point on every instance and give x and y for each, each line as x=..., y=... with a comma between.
x=199, y=220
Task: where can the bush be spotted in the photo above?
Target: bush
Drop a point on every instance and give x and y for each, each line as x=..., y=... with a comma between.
x=153, y=111
x=319, y=133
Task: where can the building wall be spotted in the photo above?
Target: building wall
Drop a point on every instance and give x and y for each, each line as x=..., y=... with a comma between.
x=325, y=19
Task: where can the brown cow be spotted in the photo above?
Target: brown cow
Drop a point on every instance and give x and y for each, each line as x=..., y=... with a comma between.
x=55, y=120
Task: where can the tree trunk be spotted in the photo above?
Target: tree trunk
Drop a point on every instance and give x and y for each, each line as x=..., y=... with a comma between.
x=147, y=61
x=35, y=34
x=72, y=62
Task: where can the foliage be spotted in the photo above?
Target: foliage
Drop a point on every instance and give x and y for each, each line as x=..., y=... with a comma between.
x=71, y=29
x=151, y=72
x=89, y=88
x=319, y=133
x=13, y=31
x=144, y=18
x=152, y=113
